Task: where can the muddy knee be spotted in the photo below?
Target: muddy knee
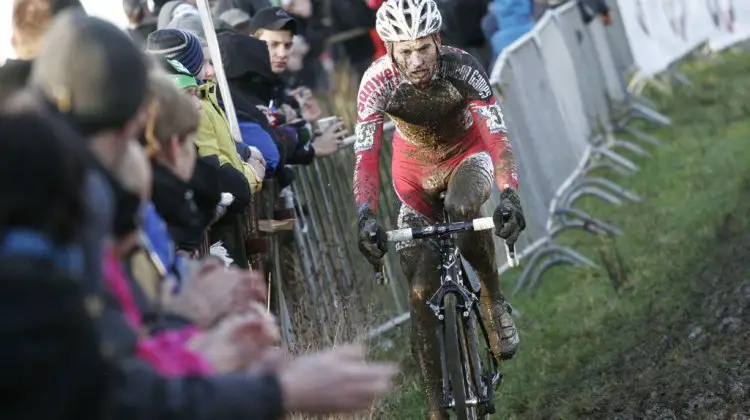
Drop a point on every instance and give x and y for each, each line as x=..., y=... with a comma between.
x=462, y=205
x=469, y=188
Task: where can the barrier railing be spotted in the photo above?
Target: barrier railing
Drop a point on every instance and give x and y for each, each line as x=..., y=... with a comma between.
x=564, y=94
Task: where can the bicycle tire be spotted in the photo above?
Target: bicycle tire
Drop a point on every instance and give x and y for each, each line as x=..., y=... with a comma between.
x=453, y=359
x=475, y=413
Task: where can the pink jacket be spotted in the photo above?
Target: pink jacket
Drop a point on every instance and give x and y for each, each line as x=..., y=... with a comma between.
x=166, y=352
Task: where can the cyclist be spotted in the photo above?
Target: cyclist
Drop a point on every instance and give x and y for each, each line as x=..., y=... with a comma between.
x=450, y=136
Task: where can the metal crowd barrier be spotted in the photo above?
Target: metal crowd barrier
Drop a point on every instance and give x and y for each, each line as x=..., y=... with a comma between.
x=325, y=277
x=565, y=100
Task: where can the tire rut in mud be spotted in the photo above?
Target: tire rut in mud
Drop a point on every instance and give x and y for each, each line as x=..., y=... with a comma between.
x=691, y=365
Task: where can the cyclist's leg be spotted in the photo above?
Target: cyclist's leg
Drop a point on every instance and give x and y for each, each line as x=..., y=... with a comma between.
x=420, y=260
x=468, y=189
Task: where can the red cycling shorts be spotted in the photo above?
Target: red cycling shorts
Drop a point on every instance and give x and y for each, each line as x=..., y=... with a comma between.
x=420, y=174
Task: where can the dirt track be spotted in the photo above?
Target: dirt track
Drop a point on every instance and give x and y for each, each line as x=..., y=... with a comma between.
x=695, y=364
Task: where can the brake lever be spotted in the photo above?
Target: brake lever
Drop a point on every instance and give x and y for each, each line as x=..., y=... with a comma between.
x=510, y=250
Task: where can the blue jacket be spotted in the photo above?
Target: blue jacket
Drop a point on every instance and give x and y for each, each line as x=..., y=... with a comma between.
x=514, y=19
x=254, y=135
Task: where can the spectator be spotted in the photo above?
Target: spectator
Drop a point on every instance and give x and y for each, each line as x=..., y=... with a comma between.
x=250, y=7
x=513, y=20
x=380, y=49
x=171, y=128
x=192, y=24
x=235, y=344
x=167, y=351
x=215, y=142
x=230, y=346
x=313, y=26
x=30, y=21
x=141, y=21
x=108, y=119
x=356, y=18
x=103, y=100
x=590, y=9
x=52, y=365
x=172, y=10
x=277, y=29
x=237, y=19
x=185, y=48
x=248, y=71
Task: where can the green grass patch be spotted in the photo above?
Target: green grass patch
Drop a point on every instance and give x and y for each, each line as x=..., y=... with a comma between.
x=578, y=324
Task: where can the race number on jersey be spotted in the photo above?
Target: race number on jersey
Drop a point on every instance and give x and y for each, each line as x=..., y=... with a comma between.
x=493, y=116
x=365, y=133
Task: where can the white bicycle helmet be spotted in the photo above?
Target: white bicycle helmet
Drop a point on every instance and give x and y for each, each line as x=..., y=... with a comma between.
x=407, y=20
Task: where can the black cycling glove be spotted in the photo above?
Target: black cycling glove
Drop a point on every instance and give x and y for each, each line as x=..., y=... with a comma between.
x=372, y=238
x=508, y=217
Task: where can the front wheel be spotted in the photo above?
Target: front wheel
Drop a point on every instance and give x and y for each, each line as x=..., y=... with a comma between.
x=454, y=360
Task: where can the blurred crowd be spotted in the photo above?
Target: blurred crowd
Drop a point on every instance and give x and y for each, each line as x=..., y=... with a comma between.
x=124, y=288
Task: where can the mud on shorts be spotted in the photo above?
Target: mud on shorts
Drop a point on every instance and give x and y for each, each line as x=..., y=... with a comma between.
x=418, y=181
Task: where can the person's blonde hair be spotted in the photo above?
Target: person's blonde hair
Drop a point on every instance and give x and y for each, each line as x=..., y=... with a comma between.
x=171, y=112
x=30, y=21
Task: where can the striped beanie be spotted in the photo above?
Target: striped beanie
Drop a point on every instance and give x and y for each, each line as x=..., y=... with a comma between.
x=177, y=45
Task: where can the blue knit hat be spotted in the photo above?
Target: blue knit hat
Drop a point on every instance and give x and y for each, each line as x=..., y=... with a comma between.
x=177, y=45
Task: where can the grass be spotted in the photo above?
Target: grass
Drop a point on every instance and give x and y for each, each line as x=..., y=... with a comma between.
x=577, y=329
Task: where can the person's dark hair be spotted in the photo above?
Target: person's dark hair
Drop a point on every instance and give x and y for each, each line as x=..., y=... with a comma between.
x=43, y=173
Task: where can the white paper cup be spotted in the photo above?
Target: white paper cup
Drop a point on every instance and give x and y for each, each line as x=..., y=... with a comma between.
x=326, y=122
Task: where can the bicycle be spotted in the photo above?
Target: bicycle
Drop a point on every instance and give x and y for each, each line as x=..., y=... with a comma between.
x=469, y=381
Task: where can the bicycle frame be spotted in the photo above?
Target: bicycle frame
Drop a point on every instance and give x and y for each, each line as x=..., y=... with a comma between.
x=452, y=276
x=483, y=381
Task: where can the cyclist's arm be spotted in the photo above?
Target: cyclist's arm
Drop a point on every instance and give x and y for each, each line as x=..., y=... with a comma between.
x=369, y=136
x=367, y=156
x=488, y=119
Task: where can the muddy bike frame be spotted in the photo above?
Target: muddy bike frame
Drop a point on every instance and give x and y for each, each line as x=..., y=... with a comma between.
x=468, y=387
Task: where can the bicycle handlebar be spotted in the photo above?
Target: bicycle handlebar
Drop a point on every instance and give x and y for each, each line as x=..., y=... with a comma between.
x=482, y=223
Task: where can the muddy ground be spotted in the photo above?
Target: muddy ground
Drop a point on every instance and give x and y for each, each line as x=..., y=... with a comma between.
x=695, y=365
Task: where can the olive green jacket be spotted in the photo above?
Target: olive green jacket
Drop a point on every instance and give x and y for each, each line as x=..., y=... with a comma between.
x=214, y=137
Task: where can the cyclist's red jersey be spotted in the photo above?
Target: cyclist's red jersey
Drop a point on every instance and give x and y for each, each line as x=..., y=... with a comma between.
x=436, y=128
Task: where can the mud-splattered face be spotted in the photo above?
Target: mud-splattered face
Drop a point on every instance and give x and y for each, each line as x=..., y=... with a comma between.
x=417, y=59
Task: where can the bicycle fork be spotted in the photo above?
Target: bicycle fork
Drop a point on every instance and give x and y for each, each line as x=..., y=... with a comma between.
x=483, y=384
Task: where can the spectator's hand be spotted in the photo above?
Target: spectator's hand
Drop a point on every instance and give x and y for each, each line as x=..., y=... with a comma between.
x=258, y=166
x=339, y=380
x=269, y=115
x=330, y=140
x=311, y=110
x=257, y=155
x=274, y=359
x=205, y=296
x=248, y=292
x=289, y=113
x=301, y=8
x=238, y=340
x=213, y=292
